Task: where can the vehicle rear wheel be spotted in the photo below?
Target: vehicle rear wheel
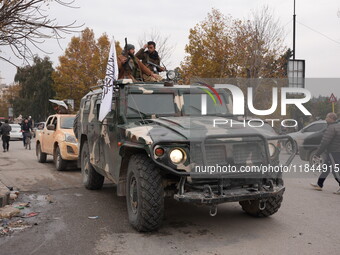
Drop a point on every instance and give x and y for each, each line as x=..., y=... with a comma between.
x=40, y=155
x=271, y=206
x=91, y=179
x=144, y=194
x=60, y=163
x=315, y=161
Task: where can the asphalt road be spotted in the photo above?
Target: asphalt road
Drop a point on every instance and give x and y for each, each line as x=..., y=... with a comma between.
x=307, y=223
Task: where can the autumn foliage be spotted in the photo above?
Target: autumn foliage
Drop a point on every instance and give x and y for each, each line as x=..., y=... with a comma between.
x=223, y=47
x=82, y=65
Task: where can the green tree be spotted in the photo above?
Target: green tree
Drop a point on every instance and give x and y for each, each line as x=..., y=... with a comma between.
x=36, y=88
x=82, y=65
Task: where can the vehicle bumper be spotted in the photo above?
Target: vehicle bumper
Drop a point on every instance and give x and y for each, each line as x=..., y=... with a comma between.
x=69, y=151
x=232, y=195
x=16, y=136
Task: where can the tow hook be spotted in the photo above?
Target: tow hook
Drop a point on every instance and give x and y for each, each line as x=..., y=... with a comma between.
x=213, y=210
x=262, y=205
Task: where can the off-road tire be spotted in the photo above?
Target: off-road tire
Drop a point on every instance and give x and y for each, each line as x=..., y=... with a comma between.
x=149, y=194
x=91, y=179
x=40, y=155
x=60, y=163
x=273, y=204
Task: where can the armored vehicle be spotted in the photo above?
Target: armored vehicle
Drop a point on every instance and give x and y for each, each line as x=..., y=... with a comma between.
x=156, y=142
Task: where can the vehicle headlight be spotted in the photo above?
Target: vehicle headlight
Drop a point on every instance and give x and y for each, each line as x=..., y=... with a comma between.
x=272, y=149
x=177, y=156
x=171, y=75
x=70, y=138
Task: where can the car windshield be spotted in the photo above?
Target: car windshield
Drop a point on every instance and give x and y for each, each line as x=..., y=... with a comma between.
x=149, y=104
x=194, y=104
x=66, y=122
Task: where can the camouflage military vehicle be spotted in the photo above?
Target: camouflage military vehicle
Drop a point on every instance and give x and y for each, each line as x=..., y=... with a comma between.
x=153, y=140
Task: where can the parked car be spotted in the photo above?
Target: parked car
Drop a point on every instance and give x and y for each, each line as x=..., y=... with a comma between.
x=37, y=127
x=16, y=133
x=309, y=148
x=57, y=139
x=301, y=135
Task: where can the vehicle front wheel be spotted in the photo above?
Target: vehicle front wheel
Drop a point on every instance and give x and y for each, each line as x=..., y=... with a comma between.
x=60, y=163
x=262, y=209
x=91, y=179
x=40, y=155
x=315, y=161
x=144, y=194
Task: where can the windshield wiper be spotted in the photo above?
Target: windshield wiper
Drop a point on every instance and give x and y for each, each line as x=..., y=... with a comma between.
x=139, y=112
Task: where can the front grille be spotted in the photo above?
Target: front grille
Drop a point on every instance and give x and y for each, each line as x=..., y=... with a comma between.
x=239, y=152
x=247, y=153
x=216, y=154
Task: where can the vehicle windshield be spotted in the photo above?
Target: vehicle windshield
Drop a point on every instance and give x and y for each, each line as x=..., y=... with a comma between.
x=66, y=122
x=143, y=105
x=149, y=104
x=193, y=105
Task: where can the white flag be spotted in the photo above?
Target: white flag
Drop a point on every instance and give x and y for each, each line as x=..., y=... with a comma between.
x=110, y=77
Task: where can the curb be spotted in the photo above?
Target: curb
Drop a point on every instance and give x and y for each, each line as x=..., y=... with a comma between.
x=4, y=195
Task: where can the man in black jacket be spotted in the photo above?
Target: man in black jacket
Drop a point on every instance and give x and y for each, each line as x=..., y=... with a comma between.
x=26, y=129
x=150, y=56
x=330, y=144
x=5, y=130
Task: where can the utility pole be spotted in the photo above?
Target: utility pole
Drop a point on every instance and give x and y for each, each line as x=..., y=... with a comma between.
x=294, y=30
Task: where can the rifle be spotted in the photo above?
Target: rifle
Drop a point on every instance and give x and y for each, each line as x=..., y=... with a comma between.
x=156, y=67
x=126, y=54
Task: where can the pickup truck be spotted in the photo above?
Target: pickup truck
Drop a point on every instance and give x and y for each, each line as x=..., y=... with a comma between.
x=57, y=139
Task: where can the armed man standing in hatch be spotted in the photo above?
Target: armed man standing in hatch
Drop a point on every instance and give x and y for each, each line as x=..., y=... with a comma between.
x=130, y=67
x=150, y=57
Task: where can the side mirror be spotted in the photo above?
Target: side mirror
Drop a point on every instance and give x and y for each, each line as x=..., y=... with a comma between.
x=50, y=127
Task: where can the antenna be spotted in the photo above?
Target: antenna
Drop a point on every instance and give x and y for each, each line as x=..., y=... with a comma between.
x=294, y=31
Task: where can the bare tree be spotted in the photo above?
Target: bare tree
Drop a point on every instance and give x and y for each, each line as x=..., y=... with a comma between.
x=259, y=42
x=25, y=23
x=163, y=45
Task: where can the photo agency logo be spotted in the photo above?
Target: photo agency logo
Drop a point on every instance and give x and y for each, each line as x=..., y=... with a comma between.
x=238, y=102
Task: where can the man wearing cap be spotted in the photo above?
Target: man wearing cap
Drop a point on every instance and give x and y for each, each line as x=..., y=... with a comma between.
x=331, y=144
x=130, y=67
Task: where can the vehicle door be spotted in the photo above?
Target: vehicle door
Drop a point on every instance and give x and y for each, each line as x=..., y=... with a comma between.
x=110, y=136
x=96, y=129
x=43, y=134
x=49, y=135
x=307, y=131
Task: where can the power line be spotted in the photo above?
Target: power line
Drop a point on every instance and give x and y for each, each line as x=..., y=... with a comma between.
x=318, y=32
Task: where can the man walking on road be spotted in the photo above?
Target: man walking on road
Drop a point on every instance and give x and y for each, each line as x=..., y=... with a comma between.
x=5, y=130
x=331, y=144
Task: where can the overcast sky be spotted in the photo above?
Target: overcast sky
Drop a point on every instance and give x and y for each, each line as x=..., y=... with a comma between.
x=174, y=18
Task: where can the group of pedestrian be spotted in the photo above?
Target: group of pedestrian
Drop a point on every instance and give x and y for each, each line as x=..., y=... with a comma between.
x=5, y=130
